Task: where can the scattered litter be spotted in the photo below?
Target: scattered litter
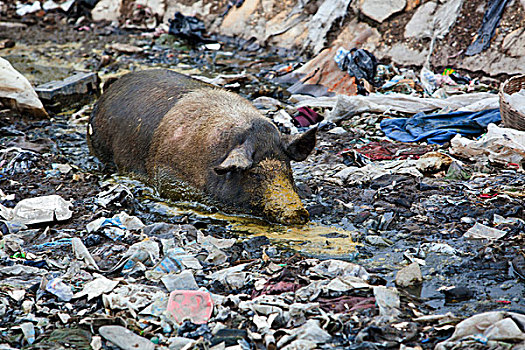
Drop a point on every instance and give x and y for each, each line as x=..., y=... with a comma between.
x=195, y=306
x=496, y=327
x=187, y=27
x=38, y=210
x=124, y=338
x=17, y=92
x=59, y=288
x=124, y=268
x=499, y=145
x=439, y=128
x=345, y=107
x=480, y=231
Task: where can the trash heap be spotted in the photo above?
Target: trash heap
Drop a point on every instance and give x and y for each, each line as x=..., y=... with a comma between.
x=414, y=178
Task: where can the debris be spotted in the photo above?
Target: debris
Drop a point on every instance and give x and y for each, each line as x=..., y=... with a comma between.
x=456, y=294
x=440, y=248
x=106, y=10
x=345, y=107
x=133, y=298
x=115, y=227
x=117, y=195
x=480, y=231
x=388, y=301
x=337, y=268
x=59, y=288
x=439, y=128
x=420, y=26
x=323, y=20
x=321, y=77
x=29, y=332
x=310, y=331
x=306, y=117
x=181, y=281
x=490, y=327
x=433, y=162
x=76, y=90
x=380, y=10
x=124, y=338
x=126, y=48
x=387, y=150
x=6, y=43
x=409, y=276
x=187, y=27
x=97, y=287
x=499, y=145
x=516, y=100
x=38, y=210
x=81, y=253
x=23, y=10
x=17, y=93
x=358, y=63
x=354, y=175
x=196, y=306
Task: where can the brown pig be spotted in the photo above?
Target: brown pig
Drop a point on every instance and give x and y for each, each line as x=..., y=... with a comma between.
x=178, y=133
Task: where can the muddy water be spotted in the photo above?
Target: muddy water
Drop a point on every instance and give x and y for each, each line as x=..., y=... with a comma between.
x=313, y=239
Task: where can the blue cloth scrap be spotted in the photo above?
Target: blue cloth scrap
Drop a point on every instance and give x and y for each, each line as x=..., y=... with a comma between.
x=439, y=128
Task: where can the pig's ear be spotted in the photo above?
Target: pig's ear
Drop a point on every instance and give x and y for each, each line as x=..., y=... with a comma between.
x=298, y=147
x=238, y=159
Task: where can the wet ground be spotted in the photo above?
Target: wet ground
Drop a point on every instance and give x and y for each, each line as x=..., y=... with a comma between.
x=381, y=224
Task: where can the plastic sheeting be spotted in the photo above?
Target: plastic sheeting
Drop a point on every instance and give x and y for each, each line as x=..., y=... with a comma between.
x=439, y=128
x=348, y=106
x=498, y=145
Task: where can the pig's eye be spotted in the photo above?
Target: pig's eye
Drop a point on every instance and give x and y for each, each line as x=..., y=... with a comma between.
x=227, y=171
x=221, y=171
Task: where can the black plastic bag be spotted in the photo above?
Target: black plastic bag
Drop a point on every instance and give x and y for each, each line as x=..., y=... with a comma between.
x=361, y=64
x=81, y=8
x=188, y=27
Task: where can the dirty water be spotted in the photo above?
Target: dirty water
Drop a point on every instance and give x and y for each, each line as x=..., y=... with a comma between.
x=313, y=239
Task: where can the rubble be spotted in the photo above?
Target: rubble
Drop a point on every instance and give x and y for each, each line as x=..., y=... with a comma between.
x=409, y=275
x=76, y=90
x=381, y=10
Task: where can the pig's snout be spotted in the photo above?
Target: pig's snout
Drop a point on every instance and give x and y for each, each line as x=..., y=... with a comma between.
x=282, y=204
x=296, y=216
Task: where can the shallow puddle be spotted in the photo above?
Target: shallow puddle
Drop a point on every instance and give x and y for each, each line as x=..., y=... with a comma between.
x=312, y=239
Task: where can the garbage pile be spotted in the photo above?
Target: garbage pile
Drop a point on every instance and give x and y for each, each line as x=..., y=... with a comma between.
x=415, y=191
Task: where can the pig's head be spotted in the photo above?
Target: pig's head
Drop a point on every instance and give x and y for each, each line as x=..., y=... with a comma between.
x=255, y=173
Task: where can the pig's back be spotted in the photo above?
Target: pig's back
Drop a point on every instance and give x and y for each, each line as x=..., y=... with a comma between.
x=124, y=119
